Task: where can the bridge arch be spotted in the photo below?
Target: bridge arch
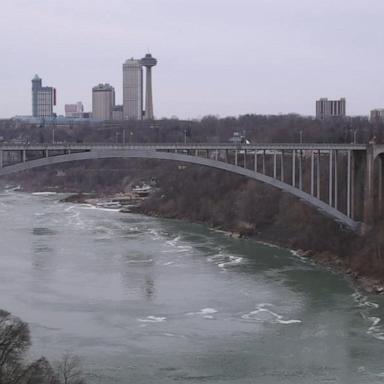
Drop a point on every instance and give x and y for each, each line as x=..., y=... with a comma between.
x=159, y=155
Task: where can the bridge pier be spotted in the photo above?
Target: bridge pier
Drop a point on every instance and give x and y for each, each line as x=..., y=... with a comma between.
x=330, y=202
x=264, y=162
x=349, y=184
x=318, y=174
x=294, y=168
x=282, y=165
x=312, y=173
x=336, y=181
x=368, y=204
x=274, y=166
x=300, y=169
x=380, y=184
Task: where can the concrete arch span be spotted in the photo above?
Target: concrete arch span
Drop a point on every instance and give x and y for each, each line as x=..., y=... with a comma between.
x=152, y=154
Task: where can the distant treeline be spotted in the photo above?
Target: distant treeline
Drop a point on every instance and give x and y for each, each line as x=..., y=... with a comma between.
x=256, y=128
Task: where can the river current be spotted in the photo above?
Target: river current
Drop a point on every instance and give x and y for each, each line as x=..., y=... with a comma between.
x=145, y=300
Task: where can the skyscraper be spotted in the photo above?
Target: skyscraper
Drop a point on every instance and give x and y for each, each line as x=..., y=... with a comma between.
x=132, y=90
x=326, y=109
x=43, y=99
x=148, y=62
x=103, y=101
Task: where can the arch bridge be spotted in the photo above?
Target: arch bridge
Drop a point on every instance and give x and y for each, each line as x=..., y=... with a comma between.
x=343, y=181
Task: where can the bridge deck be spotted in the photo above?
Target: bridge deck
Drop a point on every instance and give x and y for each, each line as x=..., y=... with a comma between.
x=180, y=146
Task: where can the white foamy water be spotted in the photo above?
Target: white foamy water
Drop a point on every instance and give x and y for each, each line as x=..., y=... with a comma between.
x=206, y=313
x=152, y=319
x=44, y=193
x=263, y=314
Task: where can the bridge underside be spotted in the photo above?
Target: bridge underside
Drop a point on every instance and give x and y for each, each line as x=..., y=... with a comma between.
x=191, y=159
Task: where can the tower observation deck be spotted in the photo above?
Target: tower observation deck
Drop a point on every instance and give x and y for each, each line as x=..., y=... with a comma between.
x=148, y=62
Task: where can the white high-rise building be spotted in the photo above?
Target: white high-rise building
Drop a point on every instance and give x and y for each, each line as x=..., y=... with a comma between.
x=326, y=109
x=132, y=90
x=103, y=101
x=377, y=116
x=43, y=99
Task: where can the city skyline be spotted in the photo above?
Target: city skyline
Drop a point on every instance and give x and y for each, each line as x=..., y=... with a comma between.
x=243, y=57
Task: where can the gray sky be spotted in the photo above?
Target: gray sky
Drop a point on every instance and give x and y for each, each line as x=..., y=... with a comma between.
x=224, y=57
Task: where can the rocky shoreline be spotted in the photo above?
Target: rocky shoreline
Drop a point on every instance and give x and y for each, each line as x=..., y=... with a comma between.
x=131, y=203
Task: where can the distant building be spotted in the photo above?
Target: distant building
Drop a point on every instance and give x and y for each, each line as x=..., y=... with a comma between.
x=74, y=110
x=132, y=90
x=117, y=113
x=43, y=99
x=148, y=62
x=377, y=116
x=326, y=109
x=103, y=101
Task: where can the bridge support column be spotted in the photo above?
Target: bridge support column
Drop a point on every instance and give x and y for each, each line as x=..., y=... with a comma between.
x=312, y=173
x=301, y=169
x=380, y=185
x=255, y=160
x=294, y=168
x=352, y=185
x=330, y=179
x=274, y=166
x=368, y=188
x=46, y=153
x=245, y=158
x=236, y=157
x=24, y=155
x=282, y=165
x=349, y=184
x=318, y=174
x=1, y=159
x=336, y=181
x=264, y=162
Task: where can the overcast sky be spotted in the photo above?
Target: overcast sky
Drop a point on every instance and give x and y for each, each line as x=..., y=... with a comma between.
x=222, y=57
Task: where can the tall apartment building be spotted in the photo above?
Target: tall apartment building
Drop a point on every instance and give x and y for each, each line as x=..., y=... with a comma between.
x=326, y=109
x=103, y=101
x=132, y=90
x=377, y=116
x=43, y=99
x=74, y=110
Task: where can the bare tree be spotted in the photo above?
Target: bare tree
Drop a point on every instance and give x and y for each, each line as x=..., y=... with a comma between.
x=68, y=370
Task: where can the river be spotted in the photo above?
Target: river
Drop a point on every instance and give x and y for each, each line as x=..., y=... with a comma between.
x=145, y=300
